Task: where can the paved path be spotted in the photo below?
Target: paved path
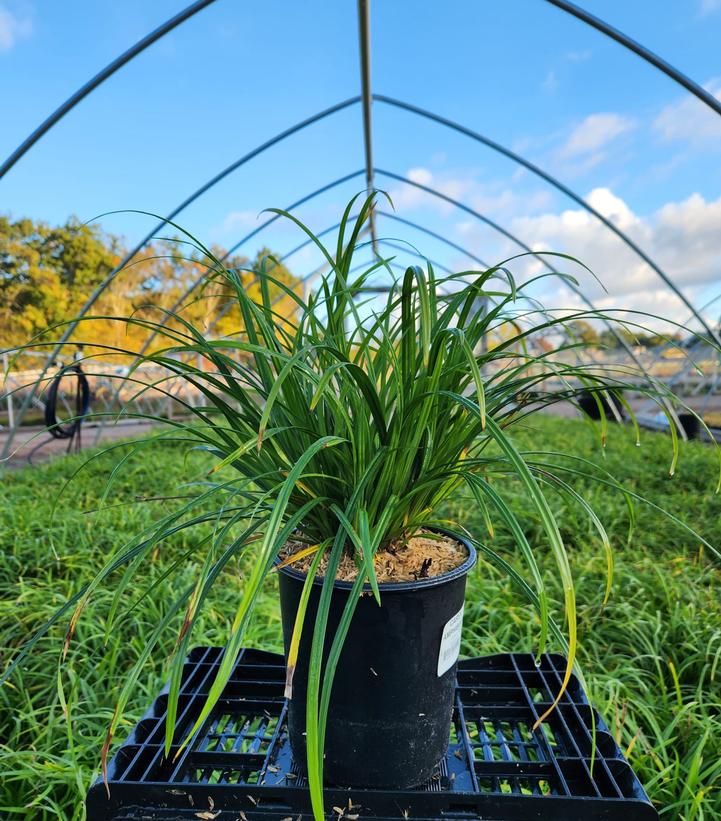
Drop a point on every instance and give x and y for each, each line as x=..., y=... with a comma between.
x=35, y=438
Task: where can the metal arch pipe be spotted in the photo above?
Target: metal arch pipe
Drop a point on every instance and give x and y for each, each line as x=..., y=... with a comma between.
x=386, y=214
x=557, y=184
x=457, y=247
x=383, y=241
x=303, y=280
x=433, y=234
x=640, y=50
x=307, y=277
x=516, y=241
x=99, y=290
x=389, y=243
x=198, y=280
x=100, y=78
x=463, y=207
x=485, y=264
x=624, y=344
x=364, y=32
x=364, y=37
x=307, y=242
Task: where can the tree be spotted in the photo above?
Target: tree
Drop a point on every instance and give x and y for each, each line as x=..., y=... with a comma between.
x=609, y=339
x=583, y=331
x=47, y=274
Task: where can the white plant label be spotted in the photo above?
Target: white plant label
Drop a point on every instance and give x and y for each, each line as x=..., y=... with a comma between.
x=450, y=643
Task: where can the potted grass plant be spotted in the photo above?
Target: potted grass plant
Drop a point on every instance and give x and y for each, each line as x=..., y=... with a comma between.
x=337, y=435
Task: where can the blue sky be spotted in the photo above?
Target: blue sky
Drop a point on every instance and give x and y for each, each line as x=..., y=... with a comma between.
x=620, y=133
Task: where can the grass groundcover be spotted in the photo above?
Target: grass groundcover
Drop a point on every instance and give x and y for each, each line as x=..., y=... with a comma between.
x=652, y=656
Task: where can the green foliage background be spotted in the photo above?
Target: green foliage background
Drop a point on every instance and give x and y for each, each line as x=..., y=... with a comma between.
x=652, y=656
x=48, y=272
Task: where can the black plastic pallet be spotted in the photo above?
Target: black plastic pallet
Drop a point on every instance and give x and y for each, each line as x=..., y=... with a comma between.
x=239, y=765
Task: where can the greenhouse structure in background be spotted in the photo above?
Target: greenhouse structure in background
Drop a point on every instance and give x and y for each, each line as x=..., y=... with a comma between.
x=58, y=387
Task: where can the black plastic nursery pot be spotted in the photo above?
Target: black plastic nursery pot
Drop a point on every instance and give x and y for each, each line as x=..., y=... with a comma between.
x=589, y=405
x=392, y=698
x=690, y=425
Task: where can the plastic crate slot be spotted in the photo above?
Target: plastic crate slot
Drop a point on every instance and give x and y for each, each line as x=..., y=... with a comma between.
x=506, y=729
x=486, y=785
x=236, y=774
x=480, y=753
x=131, y=763
x=625, y=779
x=520, y=786
x=603, y=779
x=144, y=729
x=524, y=731
x=478, y=679
x=538, y=695
x=578, y=778
x=193, y=676
x=605, y=745
x=503, y=741
x=259, y=673
x=205, y=654
x=484, y=695
x=544, y=787
x=488, y=730
x=496, y=766
x=547, y=731
x=497, y=752
x=513, y=768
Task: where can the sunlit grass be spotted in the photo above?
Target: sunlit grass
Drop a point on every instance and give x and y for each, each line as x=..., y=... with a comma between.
x=652, y=655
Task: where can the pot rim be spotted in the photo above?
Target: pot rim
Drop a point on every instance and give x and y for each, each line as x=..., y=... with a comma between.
x=398, y=587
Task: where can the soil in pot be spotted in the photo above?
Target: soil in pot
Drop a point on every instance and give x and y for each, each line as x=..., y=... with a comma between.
x=392, y=700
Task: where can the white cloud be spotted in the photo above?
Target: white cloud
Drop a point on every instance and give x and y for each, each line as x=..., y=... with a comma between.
x=550, y=82
x=420, y=175
x=579, y=56
x=496, y=198
x=594, y=133
x=659, y=302
x=409, y=196
x=610, y=206
x=13, y=28
x=710, y=6
x=690, y=119
x=236, y=221
x=682, y=237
